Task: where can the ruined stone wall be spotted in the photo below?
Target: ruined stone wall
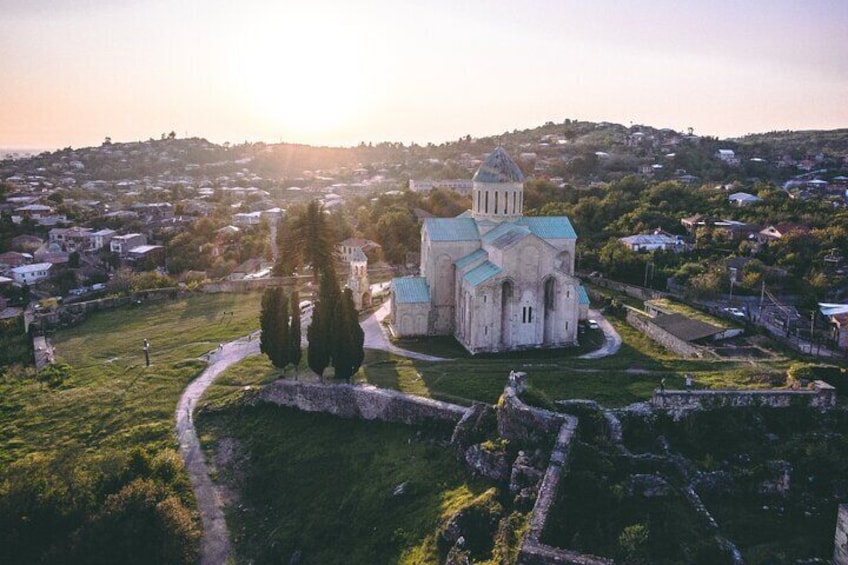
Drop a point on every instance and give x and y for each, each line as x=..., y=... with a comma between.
x=245, y=285
x=667, y=340
x=76, y=312
x=822, y=396
x=361, y=401
x=840, y=541
x=519, y=422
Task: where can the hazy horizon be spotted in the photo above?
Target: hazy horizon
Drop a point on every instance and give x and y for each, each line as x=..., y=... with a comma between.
x=338, y=73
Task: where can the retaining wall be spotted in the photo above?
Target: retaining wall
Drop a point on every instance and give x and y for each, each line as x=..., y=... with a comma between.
x=664, y=338
x=822, y=396
x=361, y=401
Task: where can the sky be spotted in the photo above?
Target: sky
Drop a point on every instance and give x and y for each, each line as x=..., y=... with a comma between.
x=338, y=72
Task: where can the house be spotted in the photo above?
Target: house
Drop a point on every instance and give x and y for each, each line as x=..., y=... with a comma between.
x=741, y=199
x=147, y=257
x=773, y=233
x=492, y=277
x=34, y=211
x=247, y=218
x=838, y=317
x=461, y=186
x=70, y=239
x=653, y=242
x=351, y=245
x=727, y=156
x=26, y=243
x=100, y=239
x=29, y=274
x=121, y=244
x=12, y=259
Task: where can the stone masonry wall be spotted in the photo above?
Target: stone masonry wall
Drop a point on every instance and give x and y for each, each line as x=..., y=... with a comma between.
x=519, y=422
x=667, y=340
x=358, y=401
x=679, y=402
x=840, y=541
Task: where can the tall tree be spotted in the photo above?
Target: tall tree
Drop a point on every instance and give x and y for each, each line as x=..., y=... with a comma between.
x=349, y=340
x=274, y=323
x=294, y=330
x=308, y=238
x=323, y=330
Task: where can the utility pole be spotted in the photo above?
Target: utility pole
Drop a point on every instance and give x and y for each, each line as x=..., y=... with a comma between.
x=812, y=328
x=762, y=298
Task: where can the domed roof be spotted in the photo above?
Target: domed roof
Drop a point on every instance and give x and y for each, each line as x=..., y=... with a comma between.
x=498, y=167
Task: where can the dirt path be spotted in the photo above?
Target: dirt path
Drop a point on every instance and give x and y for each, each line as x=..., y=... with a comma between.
x=376, y=338
x=215, y=543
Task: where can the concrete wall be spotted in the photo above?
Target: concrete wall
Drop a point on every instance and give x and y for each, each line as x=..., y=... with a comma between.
x=667, y=340
x=679, y=402
x=358, y=401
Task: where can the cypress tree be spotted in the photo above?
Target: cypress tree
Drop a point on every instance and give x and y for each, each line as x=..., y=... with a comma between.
x=322, y=332
x=274, y=323
x=349, y=344
x=294, y=330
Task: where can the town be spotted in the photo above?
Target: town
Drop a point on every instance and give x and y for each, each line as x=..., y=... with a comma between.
x=577, y=343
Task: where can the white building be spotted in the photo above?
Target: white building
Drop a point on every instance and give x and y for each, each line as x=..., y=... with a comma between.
x=29, y=274
x=652, y=242
x=461, y=186
x=493, y=278
x=728, y=156
x=121, y=244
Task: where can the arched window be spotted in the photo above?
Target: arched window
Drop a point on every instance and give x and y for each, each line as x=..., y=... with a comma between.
x=550, y=294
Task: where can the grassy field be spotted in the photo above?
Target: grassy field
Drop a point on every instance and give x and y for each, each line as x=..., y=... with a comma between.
x=109, y=399
x=629, y=376
x=330, y=489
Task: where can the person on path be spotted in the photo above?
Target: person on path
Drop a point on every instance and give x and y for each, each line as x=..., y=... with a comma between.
x=688, y=381
x=662, y=385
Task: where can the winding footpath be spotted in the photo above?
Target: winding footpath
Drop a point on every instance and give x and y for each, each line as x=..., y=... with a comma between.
x=215, y=542
x=612, y=343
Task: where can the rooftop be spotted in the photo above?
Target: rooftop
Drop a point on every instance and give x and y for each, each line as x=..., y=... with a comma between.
x=411, y=290
x=498, y=168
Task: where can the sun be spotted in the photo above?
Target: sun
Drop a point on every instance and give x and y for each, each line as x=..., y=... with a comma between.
x=302, y=82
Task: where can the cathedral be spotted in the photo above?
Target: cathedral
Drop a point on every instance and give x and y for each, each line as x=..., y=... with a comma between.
x=493, y=278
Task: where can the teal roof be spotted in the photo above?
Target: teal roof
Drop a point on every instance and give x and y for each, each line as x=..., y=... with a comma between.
x=582, y=296
x=472, y=257
x=482, y=273
x=549, y=227
x=498, y=167
x=507, y=236
x=452, y=229
x=410, y=290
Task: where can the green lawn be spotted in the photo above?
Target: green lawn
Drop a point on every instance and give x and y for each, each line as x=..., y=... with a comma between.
x=91, y=458
x=110, y=399
x=326, y=487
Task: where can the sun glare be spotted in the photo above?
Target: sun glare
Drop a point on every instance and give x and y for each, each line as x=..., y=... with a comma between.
x=305, y=80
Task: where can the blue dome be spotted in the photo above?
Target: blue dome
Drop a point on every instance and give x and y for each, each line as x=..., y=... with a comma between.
x=498, y=167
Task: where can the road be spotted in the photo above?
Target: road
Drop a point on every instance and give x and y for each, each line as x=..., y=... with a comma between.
x=612, y=342
x=215, y=543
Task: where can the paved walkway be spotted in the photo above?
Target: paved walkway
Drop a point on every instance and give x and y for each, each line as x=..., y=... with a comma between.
x=613, y=340
x=376, y=338
x=215, y=543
